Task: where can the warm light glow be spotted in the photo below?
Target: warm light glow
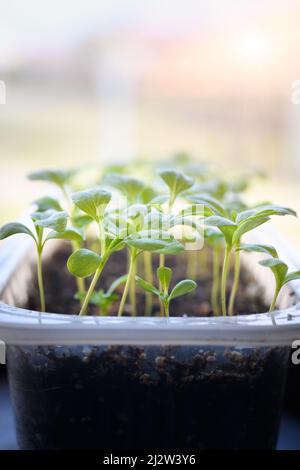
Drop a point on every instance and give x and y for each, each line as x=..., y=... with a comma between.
x=254, y=48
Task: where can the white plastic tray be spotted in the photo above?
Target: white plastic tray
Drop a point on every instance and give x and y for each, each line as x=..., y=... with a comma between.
x=24, y=327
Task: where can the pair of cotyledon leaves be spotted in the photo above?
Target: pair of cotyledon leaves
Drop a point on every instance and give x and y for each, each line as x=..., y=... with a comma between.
x=51, y=219
x=277, y=266
x=136, y=191
x=240, y=223
x=164, y=275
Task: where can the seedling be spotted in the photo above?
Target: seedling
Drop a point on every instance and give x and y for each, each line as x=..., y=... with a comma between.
x=164, y=276
x=56, y=221
x=147, y=225
x=62, y=179
x=146, y=242
x=177, y=182
x=135, y=191
x=278, y=267
x=215, y=239
x=84, y=262
x=233, y=230
x=282, y=277
x=131, y=188
x=104, y=300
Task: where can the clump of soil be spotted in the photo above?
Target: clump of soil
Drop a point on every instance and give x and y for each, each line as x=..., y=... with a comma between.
x=60, y=286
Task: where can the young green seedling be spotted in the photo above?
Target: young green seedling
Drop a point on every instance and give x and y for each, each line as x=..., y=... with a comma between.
x=104, y=300
x=62, y=179
x=135, y=191
x=177, y=182
x=233, y=230
x=84, y=262
x=151, y=242
x=281, y=275
x=278, y=267
x=56, y=221
x=215, y=239
x=131, y=188
x=165, y=276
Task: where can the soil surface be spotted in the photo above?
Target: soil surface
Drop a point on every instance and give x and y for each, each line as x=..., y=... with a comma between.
x=60, y=286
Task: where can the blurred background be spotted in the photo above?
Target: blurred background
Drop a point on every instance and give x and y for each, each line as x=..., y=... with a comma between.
x=121, y=79
x=115, y=80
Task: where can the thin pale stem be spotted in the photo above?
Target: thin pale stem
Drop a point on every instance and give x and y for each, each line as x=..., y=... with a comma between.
x=126, y=288
x=161, y=264
x=132, y=289
x=216, y=281
x=237, y=268
x=147, y=258
x=224, y=279
x=166, y=307
x=40, y=280
x=274, y=300
x=91, y=289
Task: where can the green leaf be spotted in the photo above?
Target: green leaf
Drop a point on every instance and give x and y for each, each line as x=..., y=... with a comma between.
x=293, y=276
x=164, y=276
x=172, y=248
x=147, y=195
x=248, y=225
x=47, y=203
x=220, y=222
x=226, y=226
x=72, y=234
x=252, y=247
x=265, y=210
x=92, y=201
x=58, y=177
x=182, y=288
x=155, y=234
x=130, y=187
x=82, y=220
x=51, y=219
x=14, y=228
x=278, y=267
x=169, y=246
x=209, y=202
x=99, y=298
x=146, y=285
x=147, y=244
x=83, y=263
x=177, y=182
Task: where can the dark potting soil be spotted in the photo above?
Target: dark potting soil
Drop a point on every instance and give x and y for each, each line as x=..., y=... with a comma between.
x=121, y=397
x=60, y=286
x=151, y=397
